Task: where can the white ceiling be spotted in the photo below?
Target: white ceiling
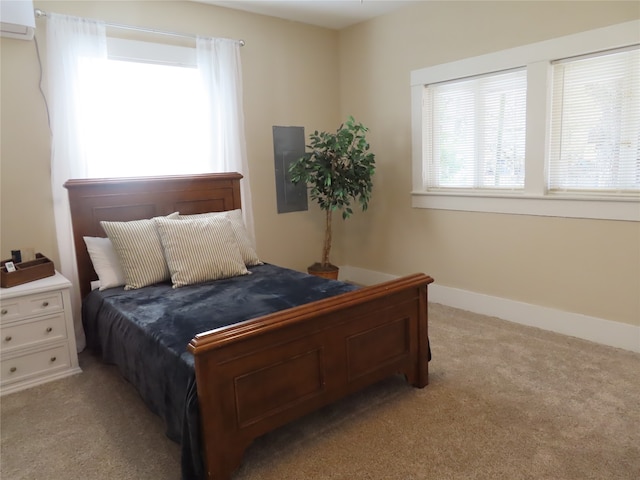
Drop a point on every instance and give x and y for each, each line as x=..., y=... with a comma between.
x=335, y=14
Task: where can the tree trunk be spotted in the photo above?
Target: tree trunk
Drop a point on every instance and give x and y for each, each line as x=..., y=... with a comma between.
x=326, y=249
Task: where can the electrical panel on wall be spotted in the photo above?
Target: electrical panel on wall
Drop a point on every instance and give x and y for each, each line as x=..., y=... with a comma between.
x=288, y=146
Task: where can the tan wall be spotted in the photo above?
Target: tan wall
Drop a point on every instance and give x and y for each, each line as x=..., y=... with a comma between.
x=583, y=266
x=290, y=78
x=301, y=75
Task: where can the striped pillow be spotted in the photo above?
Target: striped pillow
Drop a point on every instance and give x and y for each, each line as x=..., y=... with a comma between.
x=247, y=250
x=138, y=247
x=200, y=249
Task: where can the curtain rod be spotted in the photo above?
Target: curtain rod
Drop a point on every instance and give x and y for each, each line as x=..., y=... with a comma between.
x=41, y=13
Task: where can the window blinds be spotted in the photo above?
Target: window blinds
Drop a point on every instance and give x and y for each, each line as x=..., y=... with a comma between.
x=595, y=124
x=475, y=132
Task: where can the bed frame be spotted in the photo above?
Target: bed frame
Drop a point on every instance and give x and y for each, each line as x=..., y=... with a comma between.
x=258, y=375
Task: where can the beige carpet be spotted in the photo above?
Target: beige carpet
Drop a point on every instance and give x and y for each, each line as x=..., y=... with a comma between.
x=504, y=402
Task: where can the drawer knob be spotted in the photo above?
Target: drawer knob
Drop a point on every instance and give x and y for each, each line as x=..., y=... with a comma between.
x=13, y=369
x=45, y=304
x=53, y=359
x=7, y=338
x=4, y=311
x=49, y=329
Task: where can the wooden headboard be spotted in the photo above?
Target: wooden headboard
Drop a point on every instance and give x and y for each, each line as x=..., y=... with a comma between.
x=123, y=199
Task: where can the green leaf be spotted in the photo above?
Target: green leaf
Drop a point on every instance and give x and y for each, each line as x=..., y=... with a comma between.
x=337, y=168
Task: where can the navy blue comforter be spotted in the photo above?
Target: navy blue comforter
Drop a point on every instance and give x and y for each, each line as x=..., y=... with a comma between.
x=145, y=332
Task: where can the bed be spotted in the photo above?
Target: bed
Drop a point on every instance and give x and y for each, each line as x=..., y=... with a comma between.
x=231, y=383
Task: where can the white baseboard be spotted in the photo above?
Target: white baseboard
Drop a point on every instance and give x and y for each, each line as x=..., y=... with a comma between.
x=599, y=330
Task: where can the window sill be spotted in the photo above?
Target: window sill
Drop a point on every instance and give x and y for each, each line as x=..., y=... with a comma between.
x=618, y=208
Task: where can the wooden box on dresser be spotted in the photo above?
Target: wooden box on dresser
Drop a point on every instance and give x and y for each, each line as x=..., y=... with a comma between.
x=37, y=339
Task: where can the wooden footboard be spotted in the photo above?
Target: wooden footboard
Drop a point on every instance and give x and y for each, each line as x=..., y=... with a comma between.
x=256, y=376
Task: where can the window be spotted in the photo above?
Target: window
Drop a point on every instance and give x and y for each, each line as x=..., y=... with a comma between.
x=550, y=128
x=165, y=128
x=596, y=124
x=95, y=87
x=475, y=131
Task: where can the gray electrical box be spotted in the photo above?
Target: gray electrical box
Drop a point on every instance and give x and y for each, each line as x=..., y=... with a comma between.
x=288, y=146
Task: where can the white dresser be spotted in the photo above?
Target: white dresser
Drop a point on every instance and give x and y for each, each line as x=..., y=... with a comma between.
x=37, y=339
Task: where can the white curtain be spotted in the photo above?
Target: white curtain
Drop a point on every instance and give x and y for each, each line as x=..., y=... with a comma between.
x=70, y=40
x=221, y=70
x=73, y=41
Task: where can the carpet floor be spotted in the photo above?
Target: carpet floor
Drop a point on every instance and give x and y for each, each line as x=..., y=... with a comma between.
x=504, y=401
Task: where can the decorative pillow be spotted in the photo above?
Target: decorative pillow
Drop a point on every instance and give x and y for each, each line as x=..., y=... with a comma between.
x=200, y=249
x=247, y=250
x=139, y=251
x=105, y=262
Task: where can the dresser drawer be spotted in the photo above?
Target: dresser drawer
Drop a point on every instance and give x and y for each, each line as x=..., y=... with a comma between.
x=10, y=310
x=33, y=332
x=34, y=364
x=18, y=308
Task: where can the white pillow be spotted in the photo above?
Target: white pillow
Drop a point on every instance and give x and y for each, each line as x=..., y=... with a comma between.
x=105, y=262
x=200, y=249
x=139, y=250
x=247, y=249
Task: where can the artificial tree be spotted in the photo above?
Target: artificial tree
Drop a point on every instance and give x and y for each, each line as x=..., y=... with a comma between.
x=338, y=170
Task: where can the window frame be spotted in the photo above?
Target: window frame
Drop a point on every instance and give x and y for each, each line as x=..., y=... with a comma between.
x=151, y=52
x=534, y=199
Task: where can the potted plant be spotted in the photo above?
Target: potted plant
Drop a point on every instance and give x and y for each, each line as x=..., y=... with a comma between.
x=337, y=169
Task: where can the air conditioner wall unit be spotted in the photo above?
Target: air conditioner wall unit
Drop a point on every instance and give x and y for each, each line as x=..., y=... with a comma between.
x=17, y=19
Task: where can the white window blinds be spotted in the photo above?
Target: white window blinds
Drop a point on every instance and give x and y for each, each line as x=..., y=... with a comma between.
x=595, y=124
x=475, y=129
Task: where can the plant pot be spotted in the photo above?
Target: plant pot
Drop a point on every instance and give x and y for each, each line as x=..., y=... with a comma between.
x=330, y=271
